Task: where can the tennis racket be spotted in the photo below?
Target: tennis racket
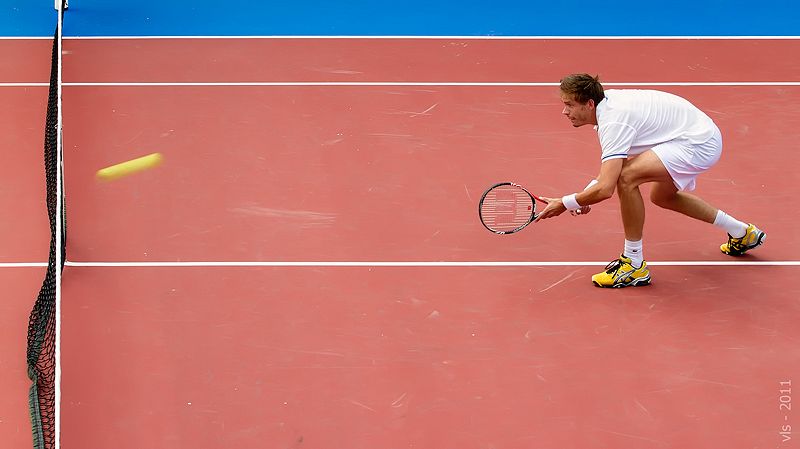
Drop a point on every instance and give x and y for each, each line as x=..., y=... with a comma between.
x=506, y=208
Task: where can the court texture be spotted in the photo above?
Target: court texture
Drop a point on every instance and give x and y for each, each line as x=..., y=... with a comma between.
x=306, y=267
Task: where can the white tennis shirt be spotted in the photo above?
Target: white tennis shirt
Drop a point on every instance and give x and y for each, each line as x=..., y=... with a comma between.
x=631, y=121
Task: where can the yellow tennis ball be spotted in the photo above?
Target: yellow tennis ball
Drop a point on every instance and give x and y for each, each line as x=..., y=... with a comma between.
x=130, y=167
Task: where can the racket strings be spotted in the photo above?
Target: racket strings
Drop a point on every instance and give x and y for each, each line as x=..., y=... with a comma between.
x=506, y=208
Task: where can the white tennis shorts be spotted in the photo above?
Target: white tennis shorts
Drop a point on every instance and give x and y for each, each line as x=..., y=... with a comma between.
x=685, y=160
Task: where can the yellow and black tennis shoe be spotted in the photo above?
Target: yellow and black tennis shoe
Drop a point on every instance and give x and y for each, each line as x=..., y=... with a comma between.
x=621, y=273
x=736, y=247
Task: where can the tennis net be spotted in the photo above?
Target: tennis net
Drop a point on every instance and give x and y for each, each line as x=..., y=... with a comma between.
x=44, y=323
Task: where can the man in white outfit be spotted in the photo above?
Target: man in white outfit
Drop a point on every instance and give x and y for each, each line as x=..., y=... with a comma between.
x=645, y=136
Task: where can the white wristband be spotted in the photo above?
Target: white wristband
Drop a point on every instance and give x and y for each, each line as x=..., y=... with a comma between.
x=570, y=202
x=591, y=183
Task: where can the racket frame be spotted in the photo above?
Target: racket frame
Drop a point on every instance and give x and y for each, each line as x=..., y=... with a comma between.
x=533, y=216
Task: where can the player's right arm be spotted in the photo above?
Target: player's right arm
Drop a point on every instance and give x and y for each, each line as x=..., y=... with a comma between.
x=616, y=138
x=606, y=183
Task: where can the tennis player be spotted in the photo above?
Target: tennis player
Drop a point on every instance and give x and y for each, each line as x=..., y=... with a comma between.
x=645, y=136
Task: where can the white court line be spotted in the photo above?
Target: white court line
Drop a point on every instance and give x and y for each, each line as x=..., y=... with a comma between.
x=398, y=84
x=400, y=37
x=421, y=264
x=24, y=84
x=416, y=264
x=22, y=264
x=411, y=37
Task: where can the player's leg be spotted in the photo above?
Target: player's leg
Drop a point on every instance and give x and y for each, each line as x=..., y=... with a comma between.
x=631, y=269
x=684, y=161
x=741, y=236
x=665, y=194
x=646, y=167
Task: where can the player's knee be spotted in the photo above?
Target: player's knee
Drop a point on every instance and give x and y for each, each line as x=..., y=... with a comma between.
x=660, y=199
x=628, y=180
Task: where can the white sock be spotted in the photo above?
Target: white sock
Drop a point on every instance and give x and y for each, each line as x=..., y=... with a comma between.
x=633, y=250
x=732, y=226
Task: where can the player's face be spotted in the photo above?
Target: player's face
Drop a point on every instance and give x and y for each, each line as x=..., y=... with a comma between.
x=578, y=113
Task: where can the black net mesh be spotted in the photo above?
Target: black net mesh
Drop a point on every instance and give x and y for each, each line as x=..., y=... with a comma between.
x=42, y=323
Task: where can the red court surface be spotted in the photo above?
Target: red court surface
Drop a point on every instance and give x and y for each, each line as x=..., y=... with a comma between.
x=24, y=227
x=359, y=173
x=415, y=356
x=421, y=357
x=20, y=286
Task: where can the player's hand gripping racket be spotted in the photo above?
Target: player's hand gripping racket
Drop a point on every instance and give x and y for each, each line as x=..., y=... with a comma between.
x=507, y=208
